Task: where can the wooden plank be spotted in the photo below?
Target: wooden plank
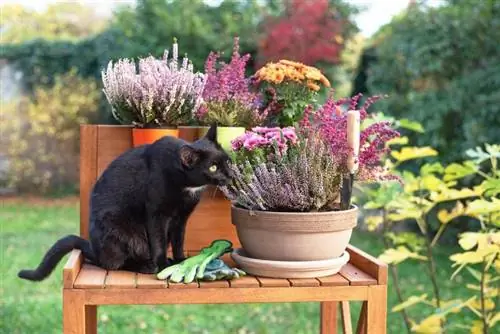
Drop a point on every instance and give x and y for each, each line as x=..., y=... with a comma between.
x=111, y=142
x=376, y=309
x=245, y=282
x=72, y=268
x=214, y=284
x=88, y=172
x=369, y=264
x=267, y=282
x=120, y=279
x=192, y=285
x=74, y=318
x=361, y=327
x=328, y=324
x=303, y=282
x=90, y=277
x=149, y=281
x=355, y=276
x=346, y=317
x=222, y=296
x=333, y=280
x=210, y=220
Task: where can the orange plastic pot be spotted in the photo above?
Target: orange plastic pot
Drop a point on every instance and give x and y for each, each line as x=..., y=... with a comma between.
x=148, y=136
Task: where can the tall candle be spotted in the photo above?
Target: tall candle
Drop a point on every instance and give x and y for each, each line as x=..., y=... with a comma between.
x=353, y=130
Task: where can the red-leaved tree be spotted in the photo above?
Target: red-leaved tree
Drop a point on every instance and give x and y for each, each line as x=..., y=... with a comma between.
x=309, y=31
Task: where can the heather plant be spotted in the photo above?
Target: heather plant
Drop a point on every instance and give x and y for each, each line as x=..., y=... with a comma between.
x=289, y=88
x=154, y=92
x=330, y=121
x=228, y=97
x=278, y=170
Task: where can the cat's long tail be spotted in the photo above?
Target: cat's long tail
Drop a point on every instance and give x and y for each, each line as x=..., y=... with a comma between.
x=62, y=247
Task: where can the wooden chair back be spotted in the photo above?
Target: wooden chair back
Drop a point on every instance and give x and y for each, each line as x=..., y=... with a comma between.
x=101, y=144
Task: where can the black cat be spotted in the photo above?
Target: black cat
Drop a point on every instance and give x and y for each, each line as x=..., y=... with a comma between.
x=141, y=204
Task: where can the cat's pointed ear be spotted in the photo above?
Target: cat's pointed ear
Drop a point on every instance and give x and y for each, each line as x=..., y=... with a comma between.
x=189, y=156
x=212, y=133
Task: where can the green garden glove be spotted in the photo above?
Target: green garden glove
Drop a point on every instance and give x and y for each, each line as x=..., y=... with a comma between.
x=187, y=270
x=218, y=270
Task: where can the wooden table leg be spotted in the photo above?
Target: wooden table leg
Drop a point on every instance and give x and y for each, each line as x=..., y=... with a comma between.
x=361, y=327
x=78, y=318
x=376, y=311
x=346, y=317
x=328, y=323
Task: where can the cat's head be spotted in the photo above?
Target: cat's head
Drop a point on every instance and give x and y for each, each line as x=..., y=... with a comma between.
x=205, y=162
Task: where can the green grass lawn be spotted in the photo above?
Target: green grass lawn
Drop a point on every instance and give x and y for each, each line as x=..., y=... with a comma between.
x=28, y=230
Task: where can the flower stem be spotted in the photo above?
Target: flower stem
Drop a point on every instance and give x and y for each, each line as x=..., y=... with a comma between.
x=394, y=274
x=483, y=308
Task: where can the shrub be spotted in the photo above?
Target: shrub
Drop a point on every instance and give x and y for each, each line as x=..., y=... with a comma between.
x=440, y=65
x=41, y=133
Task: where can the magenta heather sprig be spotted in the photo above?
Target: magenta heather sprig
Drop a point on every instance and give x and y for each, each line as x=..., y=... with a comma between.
x=330, y=120
x=229, y=98
x=157, y=92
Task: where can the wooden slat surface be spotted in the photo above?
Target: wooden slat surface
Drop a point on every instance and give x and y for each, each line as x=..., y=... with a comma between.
x=90, y=277
x=369, y=264
x=267, y=282
x=146, y=281
x=192, y=285
x=72, y=268
x=334, y=280
x=214, y=284
x=303, y=282
x=245, y=282
x=356, y=276
x=120, y=279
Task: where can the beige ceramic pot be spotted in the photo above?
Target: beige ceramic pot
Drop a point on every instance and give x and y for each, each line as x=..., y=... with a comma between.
x=294, y=236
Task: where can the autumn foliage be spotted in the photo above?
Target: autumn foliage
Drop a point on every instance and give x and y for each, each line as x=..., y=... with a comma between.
x=308, y=31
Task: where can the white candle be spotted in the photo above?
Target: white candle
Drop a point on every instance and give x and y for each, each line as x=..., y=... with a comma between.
x=353, y=125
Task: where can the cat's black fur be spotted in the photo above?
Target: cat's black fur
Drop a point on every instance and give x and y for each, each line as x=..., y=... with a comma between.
x=141, y=204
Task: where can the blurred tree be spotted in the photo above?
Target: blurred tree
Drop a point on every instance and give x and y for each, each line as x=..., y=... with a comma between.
x=199, y=27
x=440, y=66
x=312, y=32
x=60, y=21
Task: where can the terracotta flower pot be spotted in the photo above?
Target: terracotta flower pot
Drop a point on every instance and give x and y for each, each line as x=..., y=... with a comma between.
x=142, y=136
x=294, y=236
x=225, y=134
x=189, y=133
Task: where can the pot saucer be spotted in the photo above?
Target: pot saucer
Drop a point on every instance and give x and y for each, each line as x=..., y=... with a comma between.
x=289, y=269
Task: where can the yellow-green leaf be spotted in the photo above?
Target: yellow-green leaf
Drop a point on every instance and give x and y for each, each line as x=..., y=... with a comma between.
x=410, y=153
x=488, y=304
x=399, y=254
x=411, y=125
x=372, y=222
x=413, y=300
x=431, y=168
x=477, y=327
x=457, y=171
x=453, y=194
x=398, y=141
x=445, y=216
x=483, y=207
x=430, y=325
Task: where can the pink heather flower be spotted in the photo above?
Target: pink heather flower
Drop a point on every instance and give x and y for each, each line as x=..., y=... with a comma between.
x=226, y=82
x=261, y=137
x=331, y=122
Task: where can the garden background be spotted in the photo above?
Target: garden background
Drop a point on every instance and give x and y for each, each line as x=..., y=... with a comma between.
x=438, y=62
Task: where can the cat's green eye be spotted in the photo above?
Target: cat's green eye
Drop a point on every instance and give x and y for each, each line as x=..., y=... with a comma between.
x=213, y=168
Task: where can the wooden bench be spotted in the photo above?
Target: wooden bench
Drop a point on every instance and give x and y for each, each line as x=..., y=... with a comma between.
x=364, y=278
